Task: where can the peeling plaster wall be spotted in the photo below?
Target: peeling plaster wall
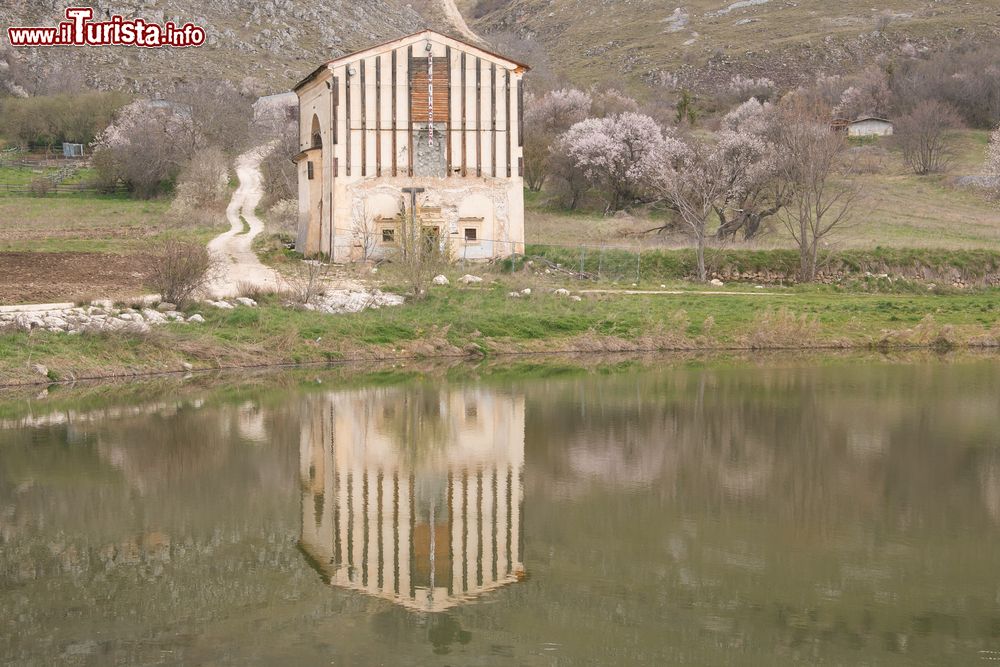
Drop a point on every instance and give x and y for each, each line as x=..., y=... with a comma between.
x=497, y=201
x=477, y=130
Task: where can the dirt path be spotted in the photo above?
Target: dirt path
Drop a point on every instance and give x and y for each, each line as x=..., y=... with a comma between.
x=451, y=11
x=232, y=248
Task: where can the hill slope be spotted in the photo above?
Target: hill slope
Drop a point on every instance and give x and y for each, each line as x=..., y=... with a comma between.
x=701, y=42
x=265, y=45
x=269, y=45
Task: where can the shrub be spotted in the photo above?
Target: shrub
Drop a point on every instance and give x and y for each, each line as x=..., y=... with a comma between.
x=184, y=268
x=40, y=187
x=920, y=135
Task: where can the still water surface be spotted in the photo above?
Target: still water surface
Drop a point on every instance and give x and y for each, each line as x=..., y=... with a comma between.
x=844, y=513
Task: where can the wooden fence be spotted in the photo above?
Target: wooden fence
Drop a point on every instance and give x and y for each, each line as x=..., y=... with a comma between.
x=60, y=189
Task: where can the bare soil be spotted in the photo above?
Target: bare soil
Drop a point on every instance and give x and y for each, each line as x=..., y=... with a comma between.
x=33, y=277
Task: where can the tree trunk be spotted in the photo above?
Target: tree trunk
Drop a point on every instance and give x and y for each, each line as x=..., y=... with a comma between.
x=702, y=273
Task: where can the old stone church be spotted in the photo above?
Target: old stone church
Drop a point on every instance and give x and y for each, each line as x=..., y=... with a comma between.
x=427, y=117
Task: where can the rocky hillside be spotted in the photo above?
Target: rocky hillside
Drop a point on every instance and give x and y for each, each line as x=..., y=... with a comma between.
x=706, y=42
x=265, y=45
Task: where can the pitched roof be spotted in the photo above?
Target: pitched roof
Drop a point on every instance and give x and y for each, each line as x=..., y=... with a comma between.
x=415, y=37
x=862, y=119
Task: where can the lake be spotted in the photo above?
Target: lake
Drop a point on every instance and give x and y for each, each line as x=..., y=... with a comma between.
x=779, y=511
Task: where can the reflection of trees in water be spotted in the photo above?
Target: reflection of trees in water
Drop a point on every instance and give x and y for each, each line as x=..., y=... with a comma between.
x=809, y=446
x=836, y=512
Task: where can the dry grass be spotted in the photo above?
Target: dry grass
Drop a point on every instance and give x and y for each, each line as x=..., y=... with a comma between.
x=898, y=209
x=781, y=329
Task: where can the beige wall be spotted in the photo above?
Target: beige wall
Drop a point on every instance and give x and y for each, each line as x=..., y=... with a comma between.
x=362, y=150
x=383, y=470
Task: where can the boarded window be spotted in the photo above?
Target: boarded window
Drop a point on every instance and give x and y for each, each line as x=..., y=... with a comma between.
x=309, y=170
x=388, y=235
x=420, y=82
x=471, y=234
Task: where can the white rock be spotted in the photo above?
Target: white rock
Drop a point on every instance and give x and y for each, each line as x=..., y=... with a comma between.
x=716, y=282
x=576, y=298
x=127, y=317
x=224, y=305
x=468, y=279
x=196, y=318
x=41, y=370
x=515, y=295
x=526, y=291
x=186, y=366
x=55, y=322
x=246, y=301
x=166, y=306
x=562, y=292
x=154, y=316
x=440, y=280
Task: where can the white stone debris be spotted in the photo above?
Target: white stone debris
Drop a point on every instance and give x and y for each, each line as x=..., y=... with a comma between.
x=514, y=295
x=246, y=301
x=196, y=318
x=526, y=291
x=440, y=280
x=576, y=298
x=469, y=279
x=353, y=301
x=562, y=292
x=223, y=305
x=716, y=282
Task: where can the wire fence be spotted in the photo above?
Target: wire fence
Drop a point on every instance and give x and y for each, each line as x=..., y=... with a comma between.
x=615, y=263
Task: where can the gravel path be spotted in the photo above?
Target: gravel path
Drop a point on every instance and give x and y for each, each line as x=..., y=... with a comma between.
x=238, y=262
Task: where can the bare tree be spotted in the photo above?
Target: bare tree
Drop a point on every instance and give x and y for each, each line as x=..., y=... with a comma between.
x=701, y=177
x=365, y=230
x=220, y=114
x=546, y=117
x=183, y=269
x=305, y=282
x=992, y=165
x=921, y=136
x=145, y=147
x=822, y=195
x=420, y=253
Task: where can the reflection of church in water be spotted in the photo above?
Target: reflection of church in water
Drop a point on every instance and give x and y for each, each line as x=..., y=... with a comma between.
x=414, y=495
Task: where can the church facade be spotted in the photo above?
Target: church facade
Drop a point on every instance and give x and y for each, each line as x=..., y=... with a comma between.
x=425, y=129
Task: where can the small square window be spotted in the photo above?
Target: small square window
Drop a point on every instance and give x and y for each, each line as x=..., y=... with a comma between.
x=388, y=235
x=471, y=234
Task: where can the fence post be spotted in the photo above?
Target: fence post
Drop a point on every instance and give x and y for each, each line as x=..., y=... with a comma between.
x=583, y=258
x=638, y=264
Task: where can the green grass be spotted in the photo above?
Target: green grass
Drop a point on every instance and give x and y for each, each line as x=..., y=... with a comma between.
x=897, y=209
x=456, y=321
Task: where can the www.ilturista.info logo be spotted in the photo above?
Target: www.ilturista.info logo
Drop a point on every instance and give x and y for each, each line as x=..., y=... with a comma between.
x=79, y=30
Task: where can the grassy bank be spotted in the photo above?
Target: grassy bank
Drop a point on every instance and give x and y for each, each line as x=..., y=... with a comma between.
x=486, y=321
x=970, y=265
